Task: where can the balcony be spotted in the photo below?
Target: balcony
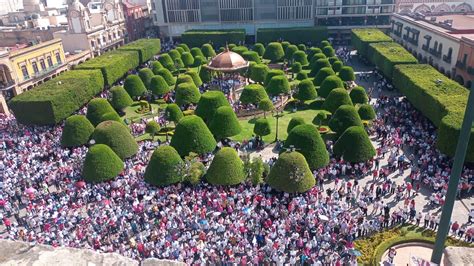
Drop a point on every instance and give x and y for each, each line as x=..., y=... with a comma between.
x=7, y=86
x=45, y=71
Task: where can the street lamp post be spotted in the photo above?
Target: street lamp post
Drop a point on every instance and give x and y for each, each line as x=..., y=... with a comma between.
x=456, y=171
x=277, y=116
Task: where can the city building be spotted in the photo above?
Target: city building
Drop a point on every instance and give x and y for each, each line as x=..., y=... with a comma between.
x=176, y=16
x=34, y=15
x=444, y=41
x=433, y=6
x=96, y=28
x=7, y=6
x=137, y=20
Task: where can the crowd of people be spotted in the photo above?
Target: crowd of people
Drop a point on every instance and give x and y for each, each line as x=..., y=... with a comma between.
x=43, y=200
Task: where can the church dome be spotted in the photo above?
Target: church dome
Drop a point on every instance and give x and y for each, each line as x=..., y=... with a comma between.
x=227, y=61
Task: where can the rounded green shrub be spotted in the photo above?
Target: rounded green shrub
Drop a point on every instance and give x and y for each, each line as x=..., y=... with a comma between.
x=324, y=43
x=272, y=73
x=345, y=116
x=111, y=116
x=329, y=84
x=117, y=136
x=188, y=59
x=209, y=103
x=180, y=50
x=291, y=174
x=333, y=59
x=77, y=131
x=354, y=145
x=251, y=56
x=302, y=47
x=145, y=75
x=174, y=54
x=196, y=51
x=120, y=98
x=184, y=78
x=134, y=86
x=179, y=63
x=240, y=50
x=314, y=58
x=184, y=46
x=296, y=67
x=277, y=85
x=231, y=46
x=329, y=51
x=306, y=91
x=318, y=65
x=195, y=77
x=205, y=75
x=366, y=112
x=259, y=48
x=337, y=66
x=173, y=113
x=192, y=135
x=305, y=138
x=322, y=74
x=336, y=98
x=166, y=74
x=163, y=168
x=96, y=108
x=187, y=93
x=258, y=73
x=226, y=168
x=295, y=121
x=152, y=127
x=285, y=45
x=158, y=85
x=301, y=76
x=346, y=73
x=314, y=50
x=155, y=66
x=199, y=61
x=225, y=123
x=274, y=52
x=101, y=164
x=320, y=118
x=253, y=94
x=266, y=105
x=167, y=62
x=358, y=95
x=290, y=50
x=262, y=127
x=207, y=50
x=221, y=50
x=300, y=56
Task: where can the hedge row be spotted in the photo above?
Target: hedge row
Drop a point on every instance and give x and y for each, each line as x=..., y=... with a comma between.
x=114, y=65
x=442, y=100
x=294, y=35
x=196, y=38
x=146, y=48
x=57, y=98
x=385, y=55
x=361, y=38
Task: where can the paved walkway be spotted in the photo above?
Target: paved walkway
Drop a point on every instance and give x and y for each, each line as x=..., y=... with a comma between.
x=406, y=253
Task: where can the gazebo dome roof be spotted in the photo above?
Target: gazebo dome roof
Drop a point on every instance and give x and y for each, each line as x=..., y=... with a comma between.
x=227, y=61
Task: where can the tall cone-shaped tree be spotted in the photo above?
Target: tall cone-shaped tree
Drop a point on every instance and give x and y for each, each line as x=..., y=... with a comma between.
x=117, y=136
x=345, y=116
x=192, y=135
x=163, y=168
x=120, y=98
x=225, y=123
x=336, y=98
x=101, y=164
x=291, y=174
x=307, y=140
x=226, y=168
x=354, y=145
x=208, y=104
x=77, y=131
x=97, y=108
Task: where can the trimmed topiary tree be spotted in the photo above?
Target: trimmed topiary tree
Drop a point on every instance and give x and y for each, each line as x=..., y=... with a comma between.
x=253, y=94
x=209, y=103
x=77, y=131
x=291, y=174
x=111, y=116
x=320, y=118
x=314, y=50
x=188, y=59
x=240, y=50
x=302, y=47
x=120, y=98
x=306, y=139
x=300, y=56
x=290, y=50
x=354, y=145
x=301, y=76
x=337, y=66
x=199, y=61
x=117, y=136
x=258, y=73
x=179, y=63
x=346, y=73
x=163, y=168
x=329, y=84
x=134, y=86
x=184, y=46
x=152, y=127
x=318, y=65
x=226, y=168
x=167, y=62
x=274, y=52
x=195, y=77
x=101, y=164
x=322, y=74
x=259, y=48
x=225, y=123
x=174, y=54
x=262, y=127
x=184, y=78
x=329, y=51
x=173, y=113
x=155, y=66
x=285, y=45
x=166, y=74
x=358, y=95
x=324, y=43
x=207, y=50
x=296, y=67
x=205, y=75
x=295, y=121
x=314, y=58
x=306, y=91
x=145, y=75
x=196, y=51
x=345, y=116
x=266, y=105
x=366, y=112
x=192, y=135
x=333, y=59
x=187, y=93
x=336, y=98
x=180, y=50
x=96, y=108
x=251, y=56
x=158, y=85
x=272, y=73
x=277, y=85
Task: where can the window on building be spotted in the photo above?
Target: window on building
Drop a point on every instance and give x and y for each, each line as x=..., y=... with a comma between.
x=58, y=58
x=464, y=59
x=440, y=49
x=24, y=70
x=42, y=64
x=35, y=67
x=448, y=57
x=50, y=61
x=92, y=44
